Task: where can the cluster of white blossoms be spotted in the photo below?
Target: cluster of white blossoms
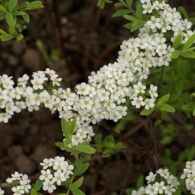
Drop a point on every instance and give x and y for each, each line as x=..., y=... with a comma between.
x=55, y=171
x=107, y=90
x=189, y=176
x=20, y=183
x=167, y=184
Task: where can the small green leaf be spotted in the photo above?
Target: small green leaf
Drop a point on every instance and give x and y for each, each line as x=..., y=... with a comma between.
x=33, y=192
x=131, y=18
x=72, y=126
x=175, y=54
x=19, y=37
x=12, y=28
x=80, y=167
x=121, y=12
x=35, y=5
x=12, y=5
x=178, y=39
x=2, y=32
x=85, y=149
x=9, y=18
x=60, y=145
x=65, y=128
x=136, y=25
x=23, y=5
x=191, y=153
x=5, y=37
x=193, y=112
x=77, y=192
x=2, y=8
x=76, y=184
x=188, y=107
x=129, y=2
x=26, y=17
x=101, y=4
x=146, y=112
x=167, y=108
x=189, y=42
x=38, y=185
x=189, y=54
x=163, y=99
x=139, y=10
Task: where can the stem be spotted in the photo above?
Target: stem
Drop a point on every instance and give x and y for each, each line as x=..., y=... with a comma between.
x=161, y=75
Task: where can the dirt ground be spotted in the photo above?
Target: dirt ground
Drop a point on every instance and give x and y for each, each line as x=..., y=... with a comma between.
x=87, y=38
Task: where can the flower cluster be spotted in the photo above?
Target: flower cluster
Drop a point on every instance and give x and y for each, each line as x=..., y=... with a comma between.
x=189, y=176
x=20, y=183
x=107, y=90
x=1, y=191
x=162, y=182
x=55, y=171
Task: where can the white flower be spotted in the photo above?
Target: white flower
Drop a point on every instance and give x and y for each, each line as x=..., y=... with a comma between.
x=47, y=163
x=138, y=102
x=1, y=191
x=151, y=177
x=46, y=175
x=48, y=185
x=17, y=190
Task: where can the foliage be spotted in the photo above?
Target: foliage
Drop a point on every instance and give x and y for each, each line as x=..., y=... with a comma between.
x=162, y=56
x=16, y=16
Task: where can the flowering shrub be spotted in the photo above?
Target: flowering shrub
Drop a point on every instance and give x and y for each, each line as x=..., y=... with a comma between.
x=163, y=36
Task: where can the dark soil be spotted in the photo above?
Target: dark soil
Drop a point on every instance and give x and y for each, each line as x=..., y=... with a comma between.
x=89, y=38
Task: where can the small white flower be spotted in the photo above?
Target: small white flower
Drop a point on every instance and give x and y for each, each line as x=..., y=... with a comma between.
x=48, y=185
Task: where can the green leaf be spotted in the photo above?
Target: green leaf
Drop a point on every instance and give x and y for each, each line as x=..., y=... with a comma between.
x=175, y=54
x=136, y=25
x=191, y=153
x=139, y=10
x=2, y=32
x=60, y=145
x=98, y=138
x=163, y=99
x=9, y=18
x=72, y=126
x=12, y=28
x=33, y=192
x=189, y=54
x=129, y=2
x=118, y=4
x=5, y=37
x=35, y=5
x=179, y=87
x=193, y=113
x=189, y=42
x=23, y=5
x=77, y=192
x=128, y=26
x=76, y=184
x=121, y=12
x=178, y=39
x=65, y=128
x=167, y=108
x=12, y=5
x=181, y=68
x=101, y=3
x=146, y=112
x=2, y=8
x=131, y=18
x=38, y=185
x=19, y=37
x=85, y=149
x=2, y=15
x=80, y=167
x=26, y=17
x=188, y=107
